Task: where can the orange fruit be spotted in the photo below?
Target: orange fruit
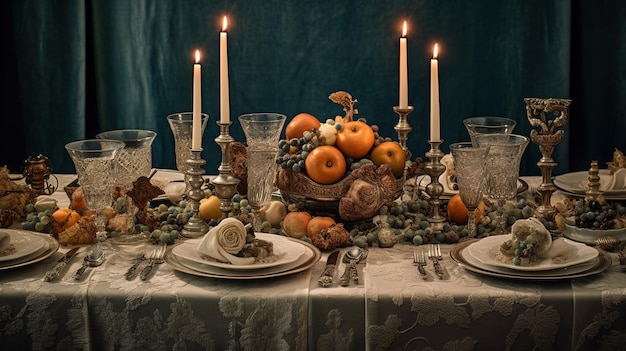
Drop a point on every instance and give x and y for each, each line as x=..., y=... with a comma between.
x=299, y=124
x=325, y=164
x=457, y=212
x=318, y=223
x=355, y=139
x=64, y=218
x=295, y=223
x=391, y=153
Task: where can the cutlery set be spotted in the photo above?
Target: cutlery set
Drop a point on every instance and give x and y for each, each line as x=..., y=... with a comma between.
x=434, y=255
x=96, y=257
x=351, y=258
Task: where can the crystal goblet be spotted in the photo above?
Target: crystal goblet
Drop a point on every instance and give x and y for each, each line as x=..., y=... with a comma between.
x=262, y=132
x=95, y=161
x=182, y=126
x=488, y=125
x=502, y=169
x=469, y=164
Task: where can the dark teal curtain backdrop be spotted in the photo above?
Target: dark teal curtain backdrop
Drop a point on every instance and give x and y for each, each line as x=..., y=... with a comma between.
x=74, y=68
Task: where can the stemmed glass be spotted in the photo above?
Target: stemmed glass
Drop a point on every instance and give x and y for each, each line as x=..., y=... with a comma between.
x=469, y=164
x=488, y=125
x=181, y=125
x=95, y=161
x=502, y=170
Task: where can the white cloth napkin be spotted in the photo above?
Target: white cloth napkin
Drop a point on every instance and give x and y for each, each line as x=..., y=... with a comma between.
x=224, y=241
x=616, y=181
x=5, y=240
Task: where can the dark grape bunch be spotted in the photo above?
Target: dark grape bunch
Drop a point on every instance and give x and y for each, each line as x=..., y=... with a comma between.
x=599, y=215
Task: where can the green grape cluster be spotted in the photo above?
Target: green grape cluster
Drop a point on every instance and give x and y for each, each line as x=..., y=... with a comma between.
x=37, y=221
x=598, y=215
x=172, y=220
x=378, y=139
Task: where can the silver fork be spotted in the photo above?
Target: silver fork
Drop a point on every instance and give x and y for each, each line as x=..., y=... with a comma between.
x=419, y=260
x=434, y=253
x=156, y=257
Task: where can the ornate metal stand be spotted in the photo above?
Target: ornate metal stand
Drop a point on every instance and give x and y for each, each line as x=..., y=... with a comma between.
x=434, y=168
x=195, y=227
x=403, y=128
x=547, y=134
x=225, y=183
x=593, y=183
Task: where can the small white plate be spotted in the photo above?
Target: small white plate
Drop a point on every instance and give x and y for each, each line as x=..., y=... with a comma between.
x=485, y=250
x=287, y=251
x=25, y=243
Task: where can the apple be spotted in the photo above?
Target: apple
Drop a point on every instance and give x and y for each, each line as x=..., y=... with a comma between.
x=391, y=153
x=299, y=124
x=355, y=139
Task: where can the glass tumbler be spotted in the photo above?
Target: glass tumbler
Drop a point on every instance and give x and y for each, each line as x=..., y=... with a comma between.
x=135, y=159
x=262, y=132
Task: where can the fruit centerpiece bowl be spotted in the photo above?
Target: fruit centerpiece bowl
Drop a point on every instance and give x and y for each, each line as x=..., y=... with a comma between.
x=340, y=168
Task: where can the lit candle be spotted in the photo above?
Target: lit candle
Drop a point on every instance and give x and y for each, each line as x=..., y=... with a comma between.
x=434, y=97
x=404, y=85
x=196, y=133
x=224, y=94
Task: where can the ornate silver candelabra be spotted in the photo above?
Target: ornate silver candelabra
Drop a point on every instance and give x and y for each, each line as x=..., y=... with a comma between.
x=403, y=128
x=195, y=226
x=434, y=168
x=547, y=134
x=225, y=183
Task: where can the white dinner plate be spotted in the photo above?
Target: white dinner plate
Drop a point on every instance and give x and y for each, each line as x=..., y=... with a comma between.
x=575, y=183
x=201, y=267
x=51, y=245
x=287, y=252
x=23, y=242
x=484, y=250
x=311, y=251
x=597, y=265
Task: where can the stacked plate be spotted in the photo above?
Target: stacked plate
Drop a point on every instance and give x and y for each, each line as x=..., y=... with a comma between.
x=293, y=256
x=479, y=256
x=26, y=247
x=575, y=184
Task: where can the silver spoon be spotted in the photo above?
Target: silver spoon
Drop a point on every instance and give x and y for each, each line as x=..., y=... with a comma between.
x=93, y=259
x=352, y=256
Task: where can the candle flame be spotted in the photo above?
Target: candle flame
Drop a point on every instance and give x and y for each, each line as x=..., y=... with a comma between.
x=224, y=24
x=436, y=50
x=404, y=30
x=197, y=56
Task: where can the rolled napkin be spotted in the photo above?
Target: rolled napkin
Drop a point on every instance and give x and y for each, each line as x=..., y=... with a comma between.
x=224, y=241
x=5, y=240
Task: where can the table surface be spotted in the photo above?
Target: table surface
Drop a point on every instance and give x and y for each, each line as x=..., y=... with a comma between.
x=391, y=308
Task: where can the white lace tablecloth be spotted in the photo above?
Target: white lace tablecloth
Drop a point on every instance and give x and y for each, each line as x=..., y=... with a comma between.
x=391, y=309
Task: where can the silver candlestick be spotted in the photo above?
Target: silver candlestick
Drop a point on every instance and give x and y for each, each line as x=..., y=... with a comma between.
x=195, y=226
x=225, y=183
x=403, y=128
x=434, y=168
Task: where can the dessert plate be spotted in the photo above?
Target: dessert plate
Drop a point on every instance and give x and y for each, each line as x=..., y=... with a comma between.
x=597, y=265
x=287, y=251
x=24, y=242
x=484, y=250
x=311, y=251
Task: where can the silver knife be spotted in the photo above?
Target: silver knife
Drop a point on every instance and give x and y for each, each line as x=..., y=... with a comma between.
x=131, y=271
x=54, y=272
x=327, y=276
